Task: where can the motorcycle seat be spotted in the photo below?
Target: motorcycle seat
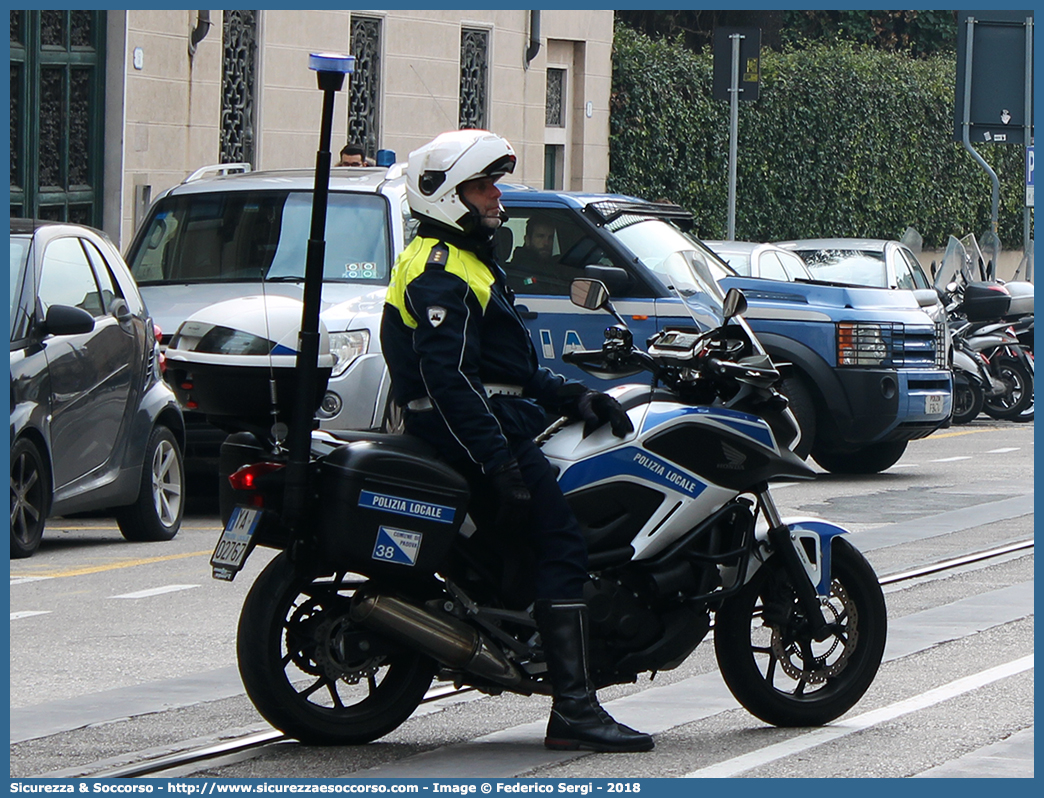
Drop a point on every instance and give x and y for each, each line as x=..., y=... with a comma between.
x=399, y=441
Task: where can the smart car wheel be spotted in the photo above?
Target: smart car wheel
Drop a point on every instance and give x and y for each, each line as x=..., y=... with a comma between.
x=29, y=498
x=156, y=515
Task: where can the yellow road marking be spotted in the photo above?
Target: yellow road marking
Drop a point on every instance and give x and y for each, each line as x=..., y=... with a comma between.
x=937, y=435
x=95, y=569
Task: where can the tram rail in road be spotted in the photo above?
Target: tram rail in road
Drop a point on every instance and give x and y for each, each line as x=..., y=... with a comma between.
x=250, y=744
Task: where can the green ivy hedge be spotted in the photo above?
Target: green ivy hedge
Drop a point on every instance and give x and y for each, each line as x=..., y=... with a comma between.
x=844, y=141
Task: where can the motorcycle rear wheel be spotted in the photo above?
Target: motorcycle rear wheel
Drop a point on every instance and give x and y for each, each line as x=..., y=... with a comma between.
x=301, y=663
x=1019, y=394
x=774, y=667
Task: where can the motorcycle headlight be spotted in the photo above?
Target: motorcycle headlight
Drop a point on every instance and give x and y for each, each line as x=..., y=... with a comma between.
x=346, y=347
x=860, y=344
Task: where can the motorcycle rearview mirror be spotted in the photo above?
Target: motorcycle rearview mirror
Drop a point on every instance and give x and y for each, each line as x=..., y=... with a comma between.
x=592, y=295
x=735, y=303
x=614, y=278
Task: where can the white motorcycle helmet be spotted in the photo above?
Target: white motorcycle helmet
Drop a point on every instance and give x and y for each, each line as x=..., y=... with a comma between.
x=435, y=172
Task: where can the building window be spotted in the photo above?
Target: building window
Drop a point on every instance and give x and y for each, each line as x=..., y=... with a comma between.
x=238, y=86
x=56, y=106
x=554, y=107
x=364, y=86
x=474, y=60
x=554, y=167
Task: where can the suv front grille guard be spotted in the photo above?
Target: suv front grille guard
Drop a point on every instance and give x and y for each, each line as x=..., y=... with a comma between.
x=887, y=344
x=942, y=344
x=918, y=347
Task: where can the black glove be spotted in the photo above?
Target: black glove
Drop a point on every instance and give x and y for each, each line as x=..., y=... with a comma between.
x=512, y=497
x=596, y=408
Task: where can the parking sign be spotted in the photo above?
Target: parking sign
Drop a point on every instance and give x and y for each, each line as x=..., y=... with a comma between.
x=994, y=66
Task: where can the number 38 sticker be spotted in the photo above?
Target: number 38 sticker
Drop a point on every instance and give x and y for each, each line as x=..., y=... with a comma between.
x=397, y=546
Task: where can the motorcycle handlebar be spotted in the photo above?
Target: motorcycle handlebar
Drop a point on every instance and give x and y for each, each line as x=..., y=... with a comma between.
x=609, y=360
x=579, y=357
x=722, y=367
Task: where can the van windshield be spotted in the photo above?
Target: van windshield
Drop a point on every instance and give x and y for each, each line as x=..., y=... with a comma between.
x=245, y=236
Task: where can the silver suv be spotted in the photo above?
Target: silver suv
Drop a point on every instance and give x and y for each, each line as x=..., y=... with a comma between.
x=227, y=232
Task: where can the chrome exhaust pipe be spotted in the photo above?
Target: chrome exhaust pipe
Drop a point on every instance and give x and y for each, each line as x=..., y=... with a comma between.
x=442, y=637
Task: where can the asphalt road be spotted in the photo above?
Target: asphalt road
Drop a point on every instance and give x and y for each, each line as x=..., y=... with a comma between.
x=120, y=648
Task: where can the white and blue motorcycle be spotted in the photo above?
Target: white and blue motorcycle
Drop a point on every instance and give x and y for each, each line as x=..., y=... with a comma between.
x=392, y=586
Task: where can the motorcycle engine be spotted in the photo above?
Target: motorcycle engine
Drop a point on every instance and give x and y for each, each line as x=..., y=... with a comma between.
x=619, y=619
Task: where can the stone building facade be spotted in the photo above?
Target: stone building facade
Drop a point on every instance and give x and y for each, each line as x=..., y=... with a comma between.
x=146, y=97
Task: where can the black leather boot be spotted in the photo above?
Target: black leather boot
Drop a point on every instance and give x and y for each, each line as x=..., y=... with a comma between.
x=577, y=719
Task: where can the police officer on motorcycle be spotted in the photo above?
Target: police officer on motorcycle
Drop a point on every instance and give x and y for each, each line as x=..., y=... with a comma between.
x=465, y=372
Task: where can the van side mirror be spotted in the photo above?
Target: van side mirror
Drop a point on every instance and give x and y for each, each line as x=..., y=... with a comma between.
x=926, y=297
x=588, y=294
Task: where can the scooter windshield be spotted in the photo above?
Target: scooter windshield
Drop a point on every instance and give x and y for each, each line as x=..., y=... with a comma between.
x=961, y=263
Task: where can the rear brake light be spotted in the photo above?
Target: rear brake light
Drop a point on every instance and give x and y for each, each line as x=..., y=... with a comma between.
x=246, y=477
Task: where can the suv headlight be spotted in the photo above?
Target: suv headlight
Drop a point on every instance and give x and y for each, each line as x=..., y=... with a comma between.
x=861, y=344
x=346, y=347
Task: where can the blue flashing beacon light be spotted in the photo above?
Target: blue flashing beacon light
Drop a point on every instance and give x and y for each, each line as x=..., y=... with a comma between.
x=332, y=62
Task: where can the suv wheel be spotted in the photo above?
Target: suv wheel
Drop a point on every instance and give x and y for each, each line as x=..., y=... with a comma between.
x=29, y=497
x=868, y=460
x=156, y=515
x=804, y=410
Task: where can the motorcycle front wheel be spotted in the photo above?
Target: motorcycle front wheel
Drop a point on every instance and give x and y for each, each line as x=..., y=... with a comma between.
x=772, y=664
x=311, y=672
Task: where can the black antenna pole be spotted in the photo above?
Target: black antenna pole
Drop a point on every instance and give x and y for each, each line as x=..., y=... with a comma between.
x=330, y=69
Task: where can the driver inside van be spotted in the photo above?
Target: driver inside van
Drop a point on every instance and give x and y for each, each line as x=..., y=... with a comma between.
x=533, y=267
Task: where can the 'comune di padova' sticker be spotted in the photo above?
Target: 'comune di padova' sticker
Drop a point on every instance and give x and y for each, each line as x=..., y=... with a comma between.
x=397, y=546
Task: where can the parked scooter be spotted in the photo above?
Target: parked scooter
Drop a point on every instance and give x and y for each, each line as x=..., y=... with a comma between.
x=390, y=584
x=993, y=371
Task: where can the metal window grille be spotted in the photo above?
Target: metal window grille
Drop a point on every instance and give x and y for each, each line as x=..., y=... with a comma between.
x=238, y=86
x=474, y=65
x=56, y=114
x=365, y=85
x=554, y=107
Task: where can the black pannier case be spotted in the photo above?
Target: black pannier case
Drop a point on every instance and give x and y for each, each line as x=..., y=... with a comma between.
x=389, y=510
x=984, y=301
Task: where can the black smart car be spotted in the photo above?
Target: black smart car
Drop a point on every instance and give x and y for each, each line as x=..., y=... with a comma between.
x=93, y=426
